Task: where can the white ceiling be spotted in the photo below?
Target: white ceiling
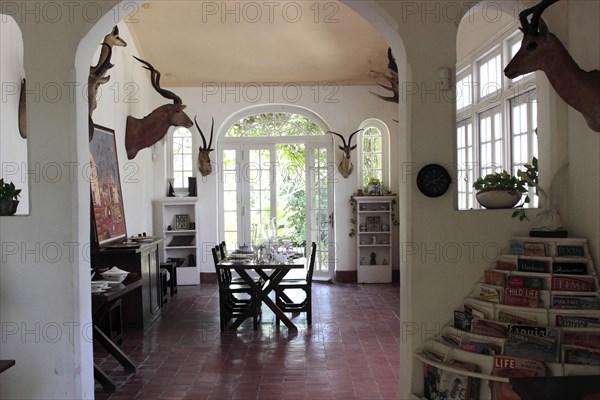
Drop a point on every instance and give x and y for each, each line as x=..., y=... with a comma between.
x=304, y=42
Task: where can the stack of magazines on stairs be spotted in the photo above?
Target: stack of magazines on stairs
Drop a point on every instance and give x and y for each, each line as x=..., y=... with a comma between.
x=536, y=312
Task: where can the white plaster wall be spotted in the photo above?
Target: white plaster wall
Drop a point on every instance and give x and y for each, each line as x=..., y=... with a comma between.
x=13, y=148
x=343, y=108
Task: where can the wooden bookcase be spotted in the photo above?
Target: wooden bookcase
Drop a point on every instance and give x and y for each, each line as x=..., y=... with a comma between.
x=374, y=238
x=557, y=250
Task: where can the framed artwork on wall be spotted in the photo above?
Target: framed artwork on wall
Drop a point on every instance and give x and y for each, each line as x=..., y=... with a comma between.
x=108, y=214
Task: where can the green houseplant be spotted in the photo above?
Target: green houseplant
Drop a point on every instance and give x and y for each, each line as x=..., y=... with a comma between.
x=503, y=190
x=9, y=198
x=499, y=190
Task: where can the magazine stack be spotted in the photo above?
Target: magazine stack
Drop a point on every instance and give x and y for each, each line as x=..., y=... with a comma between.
x=535, y=313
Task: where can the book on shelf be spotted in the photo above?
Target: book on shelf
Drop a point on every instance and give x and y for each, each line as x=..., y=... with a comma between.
x=441, y=384
x=473, y=346
x=580, y=338
x=532, y=342
x=537, y=249
x=575, y=302
x=494, y=277
x=489, y=293
x=568, y=267
x=577, y=321
x=489, y=328
x=573, y=284
x=462, y=320
x=572, y=354
x=433, y=355
x=506, y=265
x=516, y=318
x=531, y=265
x=474, y=311
x=516, y=247
x=513, y=367
x=576, y=251
x=531, y=282
x=522, y=297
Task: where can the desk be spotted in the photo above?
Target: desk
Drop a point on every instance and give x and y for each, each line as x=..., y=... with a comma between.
x=262, y=293
x=101, y=303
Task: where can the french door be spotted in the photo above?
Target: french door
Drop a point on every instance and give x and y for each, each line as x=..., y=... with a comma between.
x=289, y=181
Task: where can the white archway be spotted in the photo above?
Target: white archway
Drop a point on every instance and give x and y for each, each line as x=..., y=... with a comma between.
x=371, y=11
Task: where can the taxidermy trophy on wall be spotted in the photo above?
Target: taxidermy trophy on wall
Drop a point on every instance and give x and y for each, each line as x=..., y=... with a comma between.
x=392, y=80
x=142, y=133
x=346, y=167
x=204, y=165
x=541, y=50
x=97, y=74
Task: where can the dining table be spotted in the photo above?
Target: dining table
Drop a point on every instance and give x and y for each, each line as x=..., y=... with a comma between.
x=272, y=272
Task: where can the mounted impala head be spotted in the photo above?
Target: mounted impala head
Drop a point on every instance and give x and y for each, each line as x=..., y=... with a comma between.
x=142, y=133
x=96, y=76
x=392, y=79
x=345, y=167
x=204, y=165
x=541, y=50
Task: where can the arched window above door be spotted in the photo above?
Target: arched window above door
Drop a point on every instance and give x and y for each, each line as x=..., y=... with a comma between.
x=274, y=124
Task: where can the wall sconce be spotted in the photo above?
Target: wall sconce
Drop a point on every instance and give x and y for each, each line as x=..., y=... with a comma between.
x=444, y=75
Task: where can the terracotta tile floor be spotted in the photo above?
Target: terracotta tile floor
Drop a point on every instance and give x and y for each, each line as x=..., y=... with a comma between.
x=351, y=351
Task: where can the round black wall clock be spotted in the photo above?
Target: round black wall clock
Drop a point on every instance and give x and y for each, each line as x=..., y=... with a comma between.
x=433, y=180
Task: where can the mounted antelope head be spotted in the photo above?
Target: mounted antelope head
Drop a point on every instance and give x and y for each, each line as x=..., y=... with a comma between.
x=345, y=167
x=541, y=50
x=392, y=80
x=204, y=165
x=96, y=76
x=142, y=133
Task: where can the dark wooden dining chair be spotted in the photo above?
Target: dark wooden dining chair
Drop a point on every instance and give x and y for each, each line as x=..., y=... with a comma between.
x=231, y=305
x=235, y=279
x=283, y=301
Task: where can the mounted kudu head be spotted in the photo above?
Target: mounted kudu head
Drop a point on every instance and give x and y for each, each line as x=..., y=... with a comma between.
x=97, y=73
x=142, y=133
x=541, y=50
x=345, y=166
x=392, y=80
x=204, y=165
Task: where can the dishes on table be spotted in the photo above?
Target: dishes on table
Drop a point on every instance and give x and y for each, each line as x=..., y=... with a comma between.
x=115, y=275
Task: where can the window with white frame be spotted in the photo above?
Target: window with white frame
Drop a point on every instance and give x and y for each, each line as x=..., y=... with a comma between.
x=496, y=117
x=373, y=152
x=181, y=158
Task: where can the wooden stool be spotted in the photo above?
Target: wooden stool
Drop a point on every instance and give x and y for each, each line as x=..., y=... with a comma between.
x=163, y=285
x=172, y=282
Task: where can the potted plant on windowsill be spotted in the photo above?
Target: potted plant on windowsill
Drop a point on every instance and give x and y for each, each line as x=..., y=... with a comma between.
x=9, y=198
x=499, y=190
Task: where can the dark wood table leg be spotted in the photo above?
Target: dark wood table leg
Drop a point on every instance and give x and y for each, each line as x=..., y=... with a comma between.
x=113, y=350
x=262, y=294
x=264, y=275
x=107, y=384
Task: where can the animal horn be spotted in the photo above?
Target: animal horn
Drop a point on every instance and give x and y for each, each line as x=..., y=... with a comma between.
x=155, y=78
x=532, y=27
x=212, y=126
x=201, y=134
x=337, y=134
x=352, y=135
